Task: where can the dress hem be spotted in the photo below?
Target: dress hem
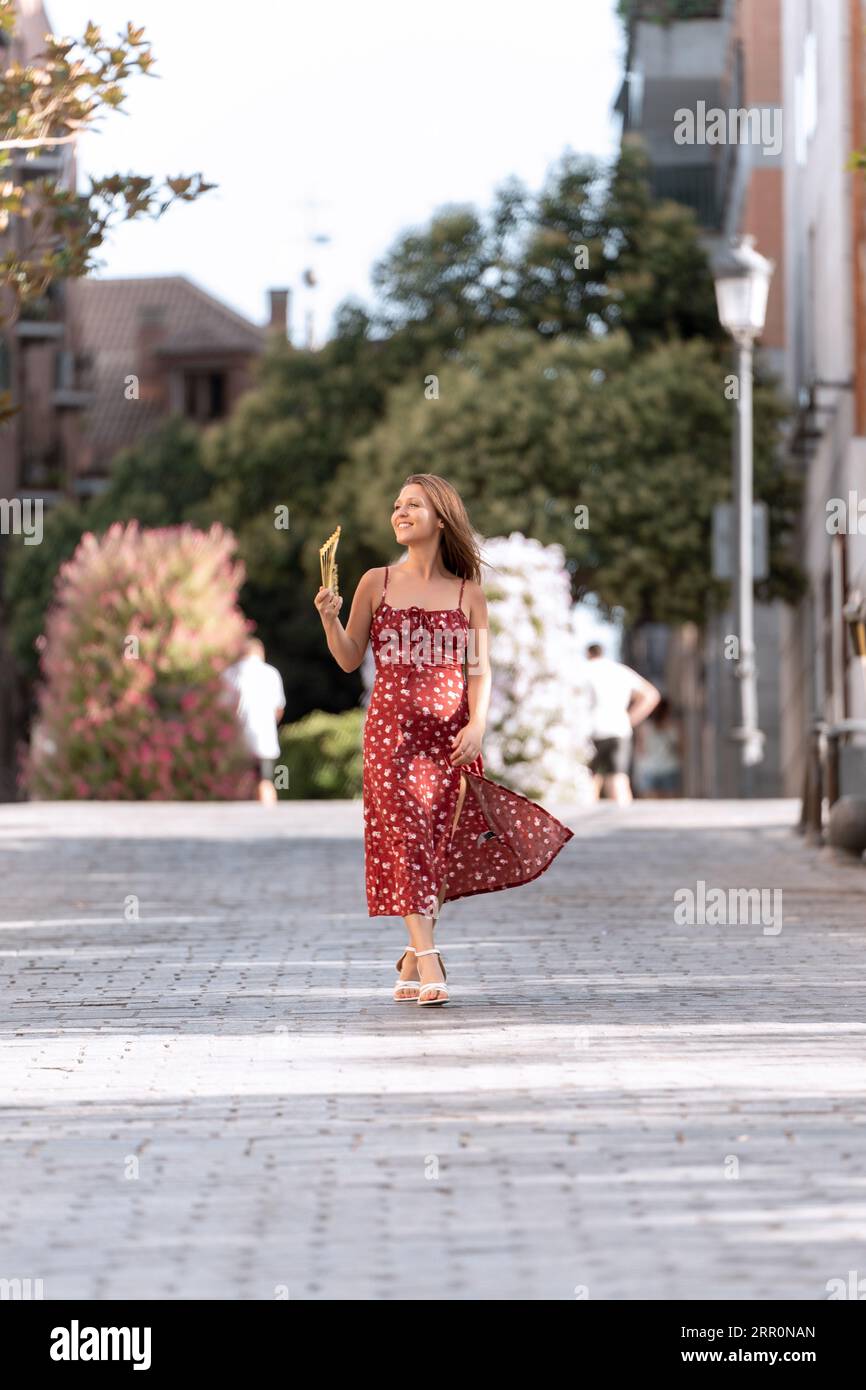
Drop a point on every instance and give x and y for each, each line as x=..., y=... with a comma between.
x=518, y=882
x=492, y=888
x=474, y=892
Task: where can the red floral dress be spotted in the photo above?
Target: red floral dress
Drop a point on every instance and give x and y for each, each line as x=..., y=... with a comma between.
x=419, y=702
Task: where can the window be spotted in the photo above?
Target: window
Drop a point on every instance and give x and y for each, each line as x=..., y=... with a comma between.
x=204, y=395
x=217, y=395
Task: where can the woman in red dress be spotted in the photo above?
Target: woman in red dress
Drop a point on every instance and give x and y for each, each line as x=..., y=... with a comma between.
x=435, y=827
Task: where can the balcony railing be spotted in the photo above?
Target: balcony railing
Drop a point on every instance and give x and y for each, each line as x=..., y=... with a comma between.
x=695, y=185
x=72, y=380
x=42, y=317
x=43, y=469
x=670, y=11
x=45, y=306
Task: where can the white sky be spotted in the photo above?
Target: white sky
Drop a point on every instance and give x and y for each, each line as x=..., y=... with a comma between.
x=379, y=110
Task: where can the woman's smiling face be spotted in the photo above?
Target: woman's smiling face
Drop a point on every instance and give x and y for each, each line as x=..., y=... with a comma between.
x=413, y=517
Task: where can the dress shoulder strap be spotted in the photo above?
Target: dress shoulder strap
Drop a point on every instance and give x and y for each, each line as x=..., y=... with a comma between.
x=385, y=589
x=460, y=600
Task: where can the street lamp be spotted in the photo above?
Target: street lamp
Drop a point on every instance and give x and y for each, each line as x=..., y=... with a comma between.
x=742, y=279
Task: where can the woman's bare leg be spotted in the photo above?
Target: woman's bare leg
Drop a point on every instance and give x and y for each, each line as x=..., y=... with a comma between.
x=408, y=972
x=420, y=928
x=461, y=797
x=459, y=808
x=421, y=937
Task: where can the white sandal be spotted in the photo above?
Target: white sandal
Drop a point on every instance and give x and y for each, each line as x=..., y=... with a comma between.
x=440, y=985
x=406, y=984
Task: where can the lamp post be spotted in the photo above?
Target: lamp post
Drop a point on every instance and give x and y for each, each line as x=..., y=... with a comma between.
x=742, y=279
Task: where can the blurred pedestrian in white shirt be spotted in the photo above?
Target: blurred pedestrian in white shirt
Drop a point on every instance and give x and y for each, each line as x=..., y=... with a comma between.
x=619, y=700
x=260, y=704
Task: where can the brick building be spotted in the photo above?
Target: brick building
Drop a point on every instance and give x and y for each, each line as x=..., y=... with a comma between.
x=157, y=346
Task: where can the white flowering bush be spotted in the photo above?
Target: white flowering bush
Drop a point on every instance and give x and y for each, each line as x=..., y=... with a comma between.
x=537, y=729
x=536, y=740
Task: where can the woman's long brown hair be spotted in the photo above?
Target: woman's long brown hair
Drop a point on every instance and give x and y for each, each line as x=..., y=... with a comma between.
x=460, y=552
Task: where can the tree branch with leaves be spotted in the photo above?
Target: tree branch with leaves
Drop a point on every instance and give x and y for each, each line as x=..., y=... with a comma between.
x=64, y=91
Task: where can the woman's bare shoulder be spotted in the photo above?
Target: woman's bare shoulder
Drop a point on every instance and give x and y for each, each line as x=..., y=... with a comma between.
x=373, y=579
x=371, y=587
x=473, y=591
x=473, y=597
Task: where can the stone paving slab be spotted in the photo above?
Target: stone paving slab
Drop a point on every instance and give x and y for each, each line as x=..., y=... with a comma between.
x=207, y=1092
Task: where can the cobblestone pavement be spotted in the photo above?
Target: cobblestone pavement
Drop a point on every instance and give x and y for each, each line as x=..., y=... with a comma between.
x=208, y=1093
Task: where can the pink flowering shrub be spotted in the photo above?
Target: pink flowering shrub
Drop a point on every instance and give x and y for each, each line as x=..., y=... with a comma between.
x=132, y=705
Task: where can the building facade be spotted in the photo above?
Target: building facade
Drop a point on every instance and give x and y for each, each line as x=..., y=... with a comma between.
x=824, y=66
x=40, y=367
x=803, y=198
x=720, y=62
x=157, y=346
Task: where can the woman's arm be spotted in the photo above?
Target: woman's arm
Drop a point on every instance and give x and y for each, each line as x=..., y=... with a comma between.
x=348, y=644
x=466, y=744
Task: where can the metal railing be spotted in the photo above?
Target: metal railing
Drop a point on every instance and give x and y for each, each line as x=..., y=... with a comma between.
x=669, y=11
x=694, y=185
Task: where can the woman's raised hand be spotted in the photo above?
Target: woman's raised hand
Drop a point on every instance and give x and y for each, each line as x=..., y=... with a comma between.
x=328, y=604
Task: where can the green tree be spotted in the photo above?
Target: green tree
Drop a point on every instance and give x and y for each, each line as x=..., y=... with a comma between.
x=296, y=440
x=591, y=251
x=271, y=465
x=658, y=277
x=530, y=431
x=560, y=385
